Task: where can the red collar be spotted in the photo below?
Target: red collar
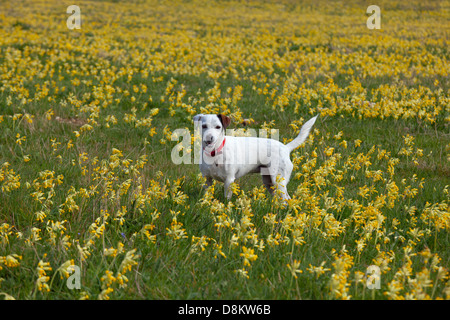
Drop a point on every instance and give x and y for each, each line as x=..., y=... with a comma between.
x=214, y=152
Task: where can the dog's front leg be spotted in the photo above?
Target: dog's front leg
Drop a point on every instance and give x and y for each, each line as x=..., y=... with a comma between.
x=227, y=186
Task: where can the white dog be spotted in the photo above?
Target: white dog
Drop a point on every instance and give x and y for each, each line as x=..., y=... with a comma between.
x=226, y=158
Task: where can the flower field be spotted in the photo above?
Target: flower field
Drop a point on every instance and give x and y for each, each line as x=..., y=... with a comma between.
x=93, y=207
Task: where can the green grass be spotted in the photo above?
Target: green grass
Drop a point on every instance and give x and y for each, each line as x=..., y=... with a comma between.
x=166, y=269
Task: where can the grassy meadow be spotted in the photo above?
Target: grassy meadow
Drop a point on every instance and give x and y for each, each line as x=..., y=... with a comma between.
x=88, y=186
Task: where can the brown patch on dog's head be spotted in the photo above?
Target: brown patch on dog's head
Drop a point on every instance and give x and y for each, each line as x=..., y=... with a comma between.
x=225, y=120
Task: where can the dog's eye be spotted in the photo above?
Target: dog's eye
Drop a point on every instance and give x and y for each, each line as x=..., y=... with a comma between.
x=204, y=126
x=217, y=127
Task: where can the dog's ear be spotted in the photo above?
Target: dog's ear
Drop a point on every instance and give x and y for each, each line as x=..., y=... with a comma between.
x=225, y=120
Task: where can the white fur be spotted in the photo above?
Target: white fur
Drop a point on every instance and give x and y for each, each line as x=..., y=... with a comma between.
x=243, y=155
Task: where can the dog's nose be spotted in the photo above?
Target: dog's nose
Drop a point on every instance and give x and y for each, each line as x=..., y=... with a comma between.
x=209, y=140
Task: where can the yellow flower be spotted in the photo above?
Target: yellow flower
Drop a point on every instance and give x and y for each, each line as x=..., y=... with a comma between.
x=176, y=230
x=329, y=151
x=294, y=268
x=199, y=243
x=242, y=272
x=318, y=270
x=248, y=255
x=104, y=295
x=10, y=261
x=128, y=261
x=218, y=251
x=42, y=280
x=49, y=113
x=108, y=279
x=20, y=139
x=40, y=216
x=66, y=268
x=7, y=296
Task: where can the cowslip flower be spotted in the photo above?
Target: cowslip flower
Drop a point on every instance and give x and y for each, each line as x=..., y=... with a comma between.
x=128, y=261
x=318, y=270
x=66, y=268
x=20, y=139
x=10, y=261
x=7, y=296
x=104, y=295
x=248, y=255
x=199, y=243
x=294, y=268
x=176, y=230
x=218, y=251
x=242, y=272
x=108, y=279
x=42, y=280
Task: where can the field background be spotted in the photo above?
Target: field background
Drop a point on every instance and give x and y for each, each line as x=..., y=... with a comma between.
x=88, y=184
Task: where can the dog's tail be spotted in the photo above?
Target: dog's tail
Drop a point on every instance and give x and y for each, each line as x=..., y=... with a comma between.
x=304, y=132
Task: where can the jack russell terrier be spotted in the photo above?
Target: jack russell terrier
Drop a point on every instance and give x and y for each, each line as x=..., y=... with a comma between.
x=226, y=158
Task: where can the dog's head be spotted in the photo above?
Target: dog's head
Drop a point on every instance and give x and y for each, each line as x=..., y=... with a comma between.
x=213, y=127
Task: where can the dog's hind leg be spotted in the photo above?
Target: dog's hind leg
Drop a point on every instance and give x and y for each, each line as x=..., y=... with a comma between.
x=283, y=191
x=281, y=179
